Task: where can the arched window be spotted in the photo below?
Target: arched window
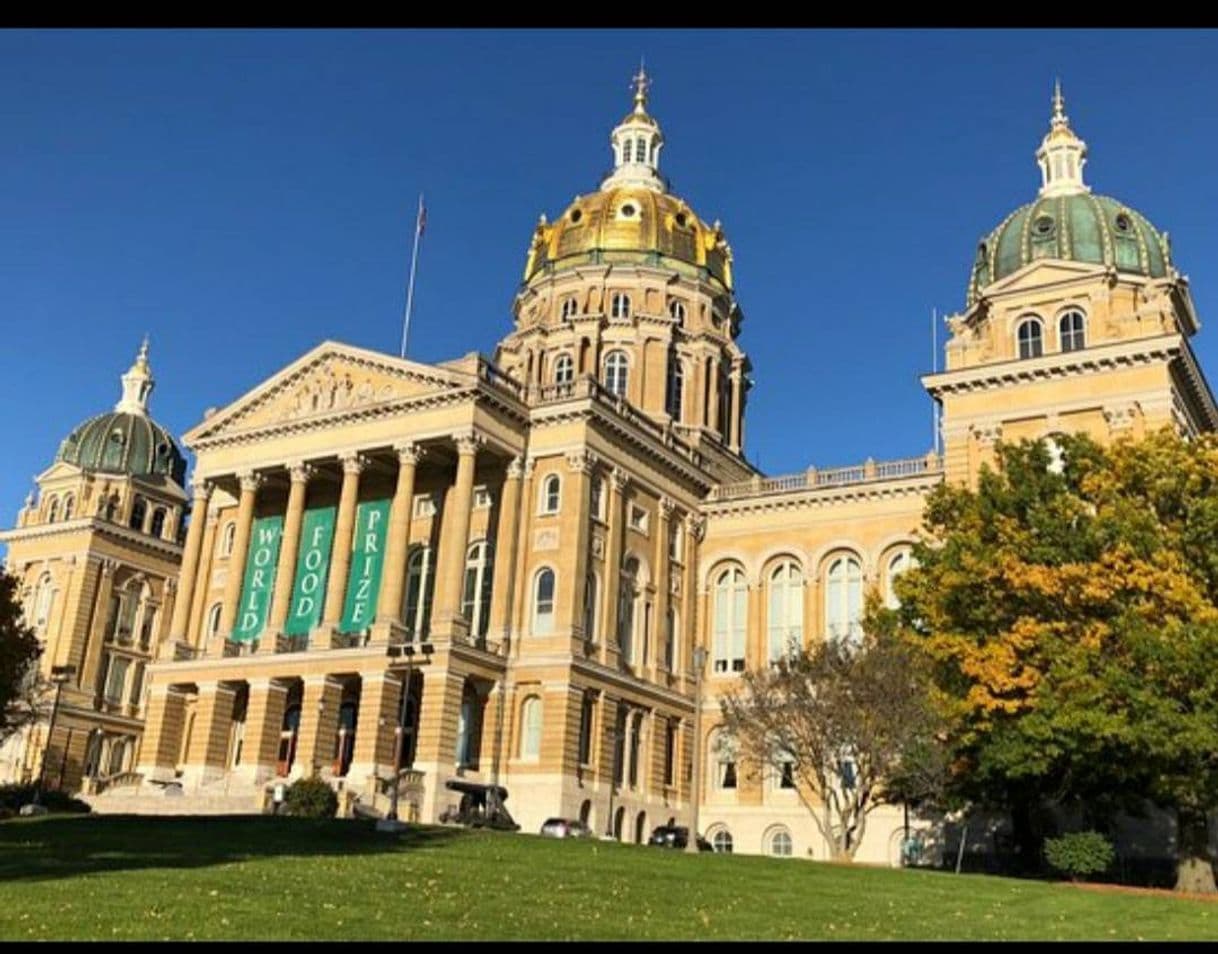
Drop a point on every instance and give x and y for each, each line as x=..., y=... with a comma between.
x=590, y=595
x=213, y=619
x=1070, y=331
x=786, y=607
x=469, y=728
x=564, y=369
x=779, y=843
x=69, y=504
x=1031, y=339
x=227, y=538
x=420, y=585
x=676, y=310
x=628, y=594
x=569, y=307
x=530, y=729
x=616, y=369
x=139, y=510
x=897, y=564
x=721, y=841
x=619, y=305
x=598, y=498
x=724, y=751
x=476, y=596
x=53, y=510
x=676, y=387
x=551, y=494
x=44, y=595
x=731, y=613
x=157, y=527
x=844, y=600
x=672, y=628
x=543, y=603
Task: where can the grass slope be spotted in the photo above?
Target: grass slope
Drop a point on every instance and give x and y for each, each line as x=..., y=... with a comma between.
x=125, y=877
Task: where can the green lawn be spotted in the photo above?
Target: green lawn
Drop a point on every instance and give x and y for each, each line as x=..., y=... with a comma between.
x=262, y=878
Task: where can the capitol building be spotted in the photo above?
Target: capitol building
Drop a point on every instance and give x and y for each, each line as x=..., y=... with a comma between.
x=498, y=569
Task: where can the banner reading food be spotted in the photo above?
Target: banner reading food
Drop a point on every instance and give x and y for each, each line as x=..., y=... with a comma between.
x=312, y=570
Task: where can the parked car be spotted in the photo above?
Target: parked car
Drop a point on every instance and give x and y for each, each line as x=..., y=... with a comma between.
x=675, y=836
x=565, y=828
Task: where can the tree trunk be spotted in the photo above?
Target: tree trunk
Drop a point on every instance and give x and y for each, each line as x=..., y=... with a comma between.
x=1026, y=831
x=1194, y=872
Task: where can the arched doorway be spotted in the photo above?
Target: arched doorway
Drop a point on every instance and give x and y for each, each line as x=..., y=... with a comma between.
x=585, y=812
x=344, y=743
x=640, y=828
x=288, y=735
x=619, y=819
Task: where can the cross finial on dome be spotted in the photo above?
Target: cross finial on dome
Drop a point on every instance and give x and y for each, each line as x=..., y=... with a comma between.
x=637, y=141
x=1059, y=104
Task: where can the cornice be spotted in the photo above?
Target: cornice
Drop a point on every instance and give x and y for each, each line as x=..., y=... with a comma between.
x=826, y=496
x=103, y=527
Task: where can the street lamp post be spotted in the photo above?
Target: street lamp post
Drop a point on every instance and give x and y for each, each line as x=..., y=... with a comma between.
x=59, y=675
x=695, y=789
x=407, y=650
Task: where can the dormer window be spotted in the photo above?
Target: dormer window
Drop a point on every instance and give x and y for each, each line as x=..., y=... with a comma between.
x=1030, y=338
x=676, y=311
x=619, y=306
x=564, y=369
x=569, y=307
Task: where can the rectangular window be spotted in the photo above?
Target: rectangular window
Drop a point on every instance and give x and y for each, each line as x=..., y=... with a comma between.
x=424, y=505
x=670, y=640
x=619, y=745
x=670, y=754
x=116, y=678
x=585, y=730
x=638, y=518
x=482, y=498
x=137, y=685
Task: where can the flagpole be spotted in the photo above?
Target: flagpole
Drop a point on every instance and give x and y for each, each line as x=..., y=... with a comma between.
x=414, y=259
x=934, y=364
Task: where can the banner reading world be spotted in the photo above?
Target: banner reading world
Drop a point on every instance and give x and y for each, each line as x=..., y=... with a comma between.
x=367, y=562
x=312, y=570
x=260, y=562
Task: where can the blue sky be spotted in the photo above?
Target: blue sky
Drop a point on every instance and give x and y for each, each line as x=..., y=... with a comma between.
x=244, y=195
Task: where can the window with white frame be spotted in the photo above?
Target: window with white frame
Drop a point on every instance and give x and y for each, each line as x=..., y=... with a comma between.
x=844, y=600
x=898, y=563
x=638, y=518
x=779, y=843
x=564, y=369
x=725, y=751
x=116, y=678
x=476, y=594
x=616, y=372
x=1070, y=331
x=69, y=504
x=483, y=498
x=543, y=603
x=551, y=494
x=786, y=610
x=676, y=310
x=1030, y=337
x=569, y=308
x=619, y=305
x=52, y=510
x=213, y=619
x=676, y=388
x=721, y=841
x=730, y=617
x=530, y=729
x=420, y=587
x=227, y=537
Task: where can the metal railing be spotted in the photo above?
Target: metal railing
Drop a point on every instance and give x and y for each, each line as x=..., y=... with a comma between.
x=812, y=478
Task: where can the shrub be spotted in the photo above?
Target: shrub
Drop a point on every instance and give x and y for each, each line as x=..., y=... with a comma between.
x=310, y=798
x=1079, y=853
x=12, y=797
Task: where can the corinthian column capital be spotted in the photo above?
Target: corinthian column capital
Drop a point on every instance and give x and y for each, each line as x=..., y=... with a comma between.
x=353, y=462
x=300, y=472
x=250, y=480
x=468, y=441
x=409, y=452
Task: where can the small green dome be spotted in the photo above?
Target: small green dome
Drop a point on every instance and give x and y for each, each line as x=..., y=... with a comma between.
x=122, y=443
x=1078, y=227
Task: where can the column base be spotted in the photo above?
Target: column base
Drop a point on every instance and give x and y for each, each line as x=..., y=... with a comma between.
x=453, y=627
x=322, y=637
x=386, y=632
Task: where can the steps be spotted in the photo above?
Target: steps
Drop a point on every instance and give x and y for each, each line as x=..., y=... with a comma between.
x=150, y=799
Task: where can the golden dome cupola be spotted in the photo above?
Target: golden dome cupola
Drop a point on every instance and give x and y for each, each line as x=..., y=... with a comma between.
x=1061, y=154
x=637, y=141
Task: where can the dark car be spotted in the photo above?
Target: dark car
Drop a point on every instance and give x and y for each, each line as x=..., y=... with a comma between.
x=675, y=836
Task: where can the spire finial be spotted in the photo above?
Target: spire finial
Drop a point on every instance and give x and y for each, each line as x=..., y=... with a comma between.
x=641, y=84
x=1061, y=154
x=137, y=384
x=1059, y=104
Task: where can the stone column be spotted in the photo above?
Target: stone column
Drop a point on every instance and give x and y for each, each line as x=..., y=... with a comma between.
x=520, y=599
x=87, y=677
x=712, y=410
x=318, y=725
x=690, y=624
x=285, y=571
x=574, y=538
x=263, y=725
x=198, y=602
x=380, y=702
x=437, y=745
x=250, y=482
x=734, y=423
x=397, y=541
x=340, y=551
x=659, y=645
x=610, y=652
x=454, y=540
x=503, y=581
x=209, y=742
x=163, y=724
x=190, y=560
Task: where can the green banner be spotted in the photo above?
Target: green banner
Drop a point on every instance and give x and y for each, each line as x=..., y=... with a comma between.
x=367, y=561
x=312, y=569
x=260, y=562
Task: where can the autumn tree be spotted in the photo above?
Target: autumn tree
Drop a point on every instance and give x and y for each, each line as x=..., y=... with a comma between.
x=843, y=720
x=1069, y=610
x=22, y=690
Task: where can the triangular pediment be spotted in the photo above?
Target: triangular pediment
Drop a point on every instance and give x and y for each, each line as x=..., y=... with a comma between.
x=1042, y=273
x=58, y=470
x=331, y=379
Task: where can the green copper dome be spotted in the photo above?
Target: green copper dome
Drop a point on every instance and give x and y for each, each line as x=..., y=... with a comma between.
x=126, y=440
x=122, y=443
x=1079, y=227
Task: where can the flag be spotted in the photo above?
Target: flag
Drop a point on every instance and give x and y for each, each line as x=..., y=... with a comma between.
x=421, y=223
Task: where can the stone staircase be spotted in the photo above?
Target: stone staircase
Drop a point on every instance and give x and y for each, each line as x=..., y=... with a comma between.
x=146, y=798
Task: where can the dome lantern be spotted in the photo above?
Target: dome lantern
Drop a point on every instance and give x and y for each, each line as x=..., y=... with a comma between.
x=137, y=385
x=1061, y=154
x=637, y=141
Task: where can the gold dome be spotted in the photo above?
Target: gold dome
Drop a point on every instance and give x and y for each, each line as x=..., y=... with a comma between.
x=630, y=224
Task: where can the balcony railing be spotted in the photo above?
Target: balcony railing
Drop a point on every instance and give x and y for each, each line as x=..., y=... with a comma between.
x=812, y=478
